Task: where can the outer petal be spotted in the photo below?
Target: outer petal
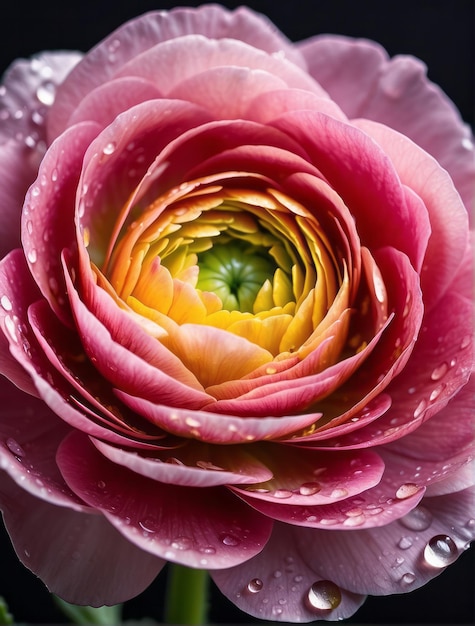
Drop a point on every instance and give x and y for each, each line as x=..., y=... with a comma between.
x=275, y=585
x=190, y=526
x=359, y=77
x=390, y=559
x=92, y=563
x=131, y=39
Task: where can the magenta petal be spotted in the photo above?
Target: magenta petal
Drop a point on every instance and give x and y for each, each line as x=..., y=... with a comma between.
x=275, y=585
x=196, y=527
x=80, y=557
x=48, y=213
x=390, y=559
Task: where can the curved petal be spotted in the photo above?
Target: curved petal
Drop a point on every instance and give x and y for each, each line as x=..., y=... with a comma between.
x=48, y=213
x=276, y=584
x=359, y=76
x=131, y=39
x=448, y=217
x=80, y=557
x=190, y=526
x=390, y=558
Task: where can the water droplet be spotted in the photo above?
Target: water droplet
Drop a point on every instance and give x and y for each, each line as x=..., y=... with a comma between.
x=408, y=578
x=324, y=595
x=148, y=525
x=418, y=519
x=255, y=585
x=15, y=447
x=32, y=255
x=467, y=143
x=181, y=543
x=229, y=540
x=277, y=610
x=282, y=494
x=406, y=491
x=308, y=489
x=466, y=341
x=440, y=551
x=470, y=525
x=207, y=550
x=420, y=408
x=109, y=148
x=440, y=371
x=101, y=484
x=35, y=191
x=277, y=573
x=46, y=93
x=191, y=421
x=339, y=493
x=398, y=561
x=6, y=303
x=405, y=543
x=54, y=175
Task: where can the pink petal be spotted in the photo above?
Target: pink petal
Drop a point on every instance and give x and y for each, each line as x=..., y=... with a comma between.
x=364, y=177
x=28, y=90
x=48, y=213
x=216, y=428
x=275, y=584
x=107, y=101
x=30, y=436
x=197, y=466
x=80, y=557
x=448, y=217
x=17, y=172
x=360, y=78
x=390, y=559
x=131, y=39
x=308, y=478
x=199, y=528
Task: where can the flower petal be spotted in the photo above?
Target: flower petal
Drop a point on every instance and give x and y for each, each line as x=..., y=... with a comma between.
x=276, y=584
x=93, y=564
x=190, y=526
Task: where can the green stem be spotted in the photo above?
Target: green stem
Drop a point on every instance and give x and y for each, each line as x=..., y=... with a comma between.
x=187, y=596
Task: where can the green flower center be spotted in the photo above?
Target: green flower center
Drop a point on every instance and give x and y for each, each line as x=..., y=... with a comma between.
x=235, y=272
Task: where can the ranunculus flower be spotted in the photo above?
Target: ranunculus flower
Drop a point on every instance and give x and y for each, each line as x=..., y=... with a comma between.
x=237, y=294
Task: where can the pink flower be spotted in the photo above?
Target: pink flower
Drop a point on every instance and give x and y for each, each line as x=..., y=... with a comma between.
x=237, y=315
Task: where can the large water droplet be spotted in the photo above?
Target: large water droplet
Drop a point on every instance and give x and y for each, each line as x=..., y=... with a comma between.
x=405, y=543
x=109, y=148
x=440, y=371
x=408, y=578
x=6, y=303
x=406, y=491
x=324, y=595
x=282, y=494
x=46, y=93
x=440, y=551
x=419, y=518
x=308, y=489
x=255, y=585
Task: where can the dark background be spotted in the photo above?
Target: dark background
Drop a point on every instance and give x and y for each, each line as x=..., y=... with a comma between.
x=441, y=33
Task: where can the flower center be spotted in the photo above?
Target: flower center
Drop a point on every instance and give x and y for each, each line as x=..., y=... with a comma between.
x=235, y=272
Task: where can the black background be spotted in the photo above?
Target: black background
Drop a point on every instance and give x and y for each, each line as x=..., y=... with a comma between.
x=441, y=33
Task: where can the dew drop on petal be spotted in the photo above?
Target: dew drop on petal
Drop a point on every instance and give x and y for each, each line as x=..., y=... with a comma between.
x=408, y=578
x=32, y=255
x=46, y=93
x=6, y=303
x=440, y=371
x=101, y=484
x=109, y=148
x=339, y=493
x=181, y=543
x=440, y=551
x=208, y=550
x=282, y=494
x=229, y=540
x=405, y=543
x=255, y=585
x=406, y=491
x=420, y=408
x=309, y=489
x=418, y=519
x=324, y=595
x=15, y=447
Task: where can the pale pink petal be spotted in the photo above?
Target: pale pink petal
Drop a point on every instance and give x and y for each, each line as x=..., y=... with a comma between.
x=276, y=584
x=28, y=90
x=196, y=527
x=48, y=213
x=17, y=172
x=107, y=101
x=448, y=217
x=131, y=39
x=79, y=556
x=195, y=465
x=390, y=559
x=216, y=428
x=359, y=76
